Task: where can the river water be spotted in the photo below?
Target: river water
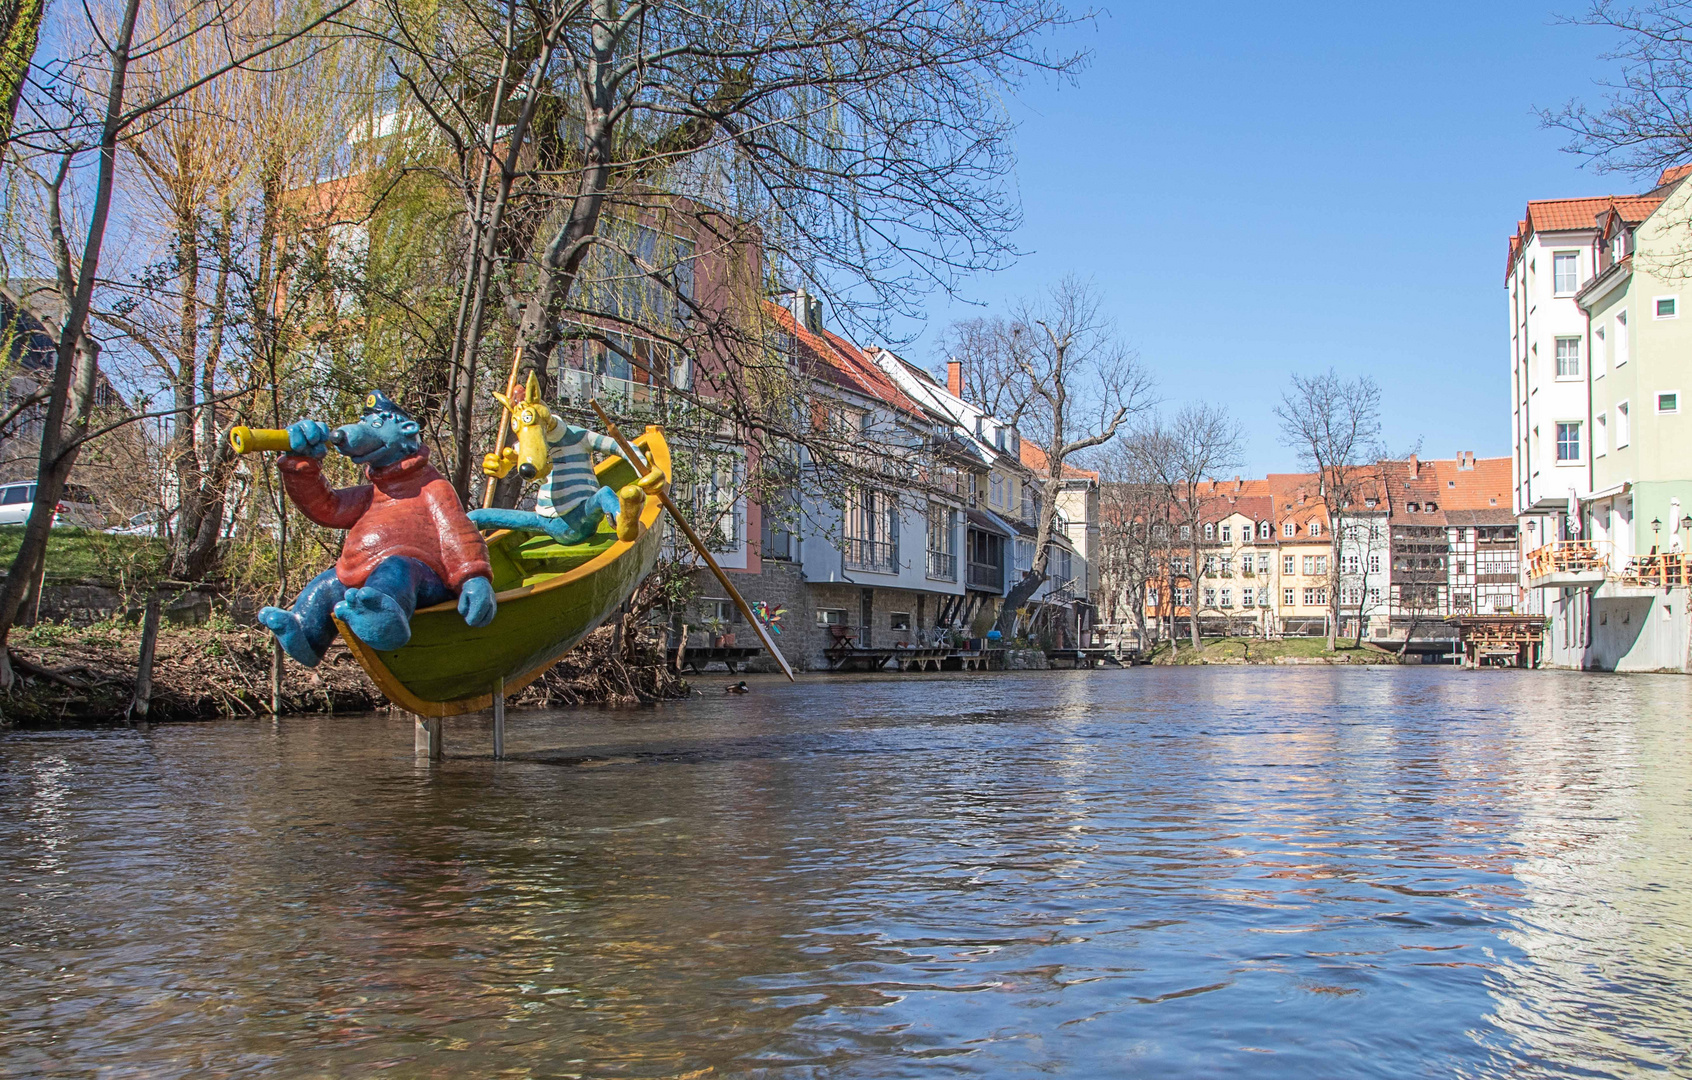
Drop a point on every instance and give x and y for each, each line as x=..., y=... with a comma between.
x=1265, y=872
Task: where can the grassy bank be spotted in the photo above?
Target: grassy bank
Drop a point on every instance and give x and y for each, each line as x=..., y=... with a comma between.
x=86, y=675
x=89, y=555
x=1240, y=650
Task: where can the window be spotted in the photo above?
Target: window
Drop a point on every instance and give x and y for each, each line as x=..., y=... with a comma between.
x=1227, y=534
x=1264, y=530
x=872, y=531
x=1151, y=598
x=1568, y=357
x=1568, y=443
x=1668, y=401
x=1246, y=597
x=1228, y=565
x=1247, y=565
x=1186, y=532
x=1565, y=272
x=1598, y=348
x=1321, y=565
x=1310, y=598
x=1227, y=598
x=942, y=542
x=1183, y=596
x=1209, y=531
x=1287, y=564
x=1309, y=565
x=1622, y=431
x=1621, y=338
x=1289, y=528
x=1209, y=565
x=1352, y=564
x=1374, y=594
x=1428, y=508
x=995, y=490
x=831, y=617
x=1664, y=307
x=899, y=620
x=1315, y=528
x=1374, y=564
x=14, y=495
x=1287, y=597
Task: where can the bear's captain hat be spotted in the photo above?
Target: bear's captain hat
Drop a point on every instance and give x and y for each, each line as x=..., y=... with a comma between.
x=377, y=402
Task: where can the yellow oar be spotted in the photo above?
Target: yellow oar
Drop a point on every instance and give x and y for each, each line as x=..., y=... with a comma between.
x=633, y=458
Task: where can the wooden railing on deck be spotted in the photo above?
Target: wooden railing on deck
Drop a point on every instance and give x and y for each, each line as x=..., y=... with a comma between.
x=1568, y=557
x=1656, y=571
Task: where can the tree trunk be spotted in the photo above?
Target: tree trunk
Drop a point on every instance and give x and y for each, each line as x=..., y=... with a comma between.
x=1193, y=599
x=58, y=453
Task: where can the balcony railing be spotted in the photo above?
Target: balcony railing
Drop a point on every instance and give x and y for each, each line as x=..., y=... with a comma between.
x=942, y=566
x=875, y=556
x=1568, y=557
x=986, y=576
x=1656, y=571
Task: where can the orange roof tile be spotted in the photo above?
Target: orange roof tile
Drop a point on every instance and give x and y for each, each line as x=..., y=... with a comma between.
x=1035, y=458
x=1673, y=175
x=843, y=363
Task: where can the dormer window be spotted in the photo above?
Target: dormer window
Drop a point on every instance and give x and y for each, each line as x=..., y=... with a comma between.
x=1315, y=528
x=1265, y=530
x=1209, y=531
x=1413, y=507
x=1289, y=529
x=1428, y=508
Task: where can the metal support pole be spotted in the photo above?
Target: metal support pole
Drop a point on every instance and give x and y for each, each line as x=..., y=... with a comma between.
x=499, y=718
x=428, y=737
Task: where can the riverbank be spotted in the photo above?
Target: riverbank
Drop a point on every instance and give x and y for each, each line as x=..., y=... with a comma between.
x=71, y=676
x=1293, y=650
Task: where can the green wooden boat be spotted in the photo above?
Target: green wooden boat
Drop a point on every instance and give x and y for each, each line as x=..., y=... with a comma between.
x=550, y=597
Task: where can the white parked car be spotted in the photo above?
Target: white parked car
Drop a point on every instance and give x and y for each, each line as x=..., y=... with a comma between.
x=76, y=506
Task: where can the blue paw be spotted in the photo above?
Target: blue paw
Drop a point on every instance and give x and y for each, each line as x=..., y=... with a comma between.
x=375, y=618
x=476, y=601
x=286, y=626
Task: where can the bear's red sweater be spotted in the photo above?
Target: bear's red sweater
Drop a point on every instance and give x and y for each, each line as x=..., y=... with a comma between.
x=407, y=509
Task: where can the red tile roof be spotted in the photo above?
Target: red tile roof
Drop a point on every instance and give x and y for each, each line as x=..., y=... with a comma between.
x=1558, y=215
x=1035, y=458
x=832, y=357
x=1673, y=175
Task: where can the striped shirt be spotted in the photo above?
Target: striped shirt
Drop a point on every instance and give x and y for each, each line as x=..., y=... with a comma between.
x=572, y=480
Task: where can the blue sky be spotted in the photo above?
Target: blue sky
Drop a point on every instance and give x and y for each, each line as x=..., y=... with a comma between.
x=1257, y=192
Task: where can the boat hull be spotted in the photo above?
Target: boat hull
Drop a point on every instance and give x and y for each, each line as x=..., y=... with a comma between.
x=449, y=668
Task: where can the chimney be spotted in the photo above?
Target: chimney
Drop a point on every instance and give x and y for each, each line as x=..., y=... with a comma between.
x=1415, y=467
x=1237, y=485
x=954, y=377
x=1466, y=460
x=813, y=316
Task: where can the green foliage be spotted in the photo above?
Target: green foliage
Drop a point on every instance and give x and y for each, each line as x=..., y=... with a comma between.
x=126, y=562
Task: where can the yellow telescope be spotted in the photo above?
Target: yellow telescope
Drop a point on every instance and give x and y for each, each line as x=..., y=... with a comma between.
x=248, y=440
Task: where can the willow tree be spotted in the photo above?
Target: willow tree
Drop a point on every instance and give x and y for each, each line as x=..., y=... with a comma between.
x=82, y=113
x=859, y=149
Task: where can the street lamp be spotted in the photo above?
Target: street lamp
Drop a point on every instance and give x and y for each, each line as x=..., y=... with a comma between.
x=1656, y=525
x=1686, y=523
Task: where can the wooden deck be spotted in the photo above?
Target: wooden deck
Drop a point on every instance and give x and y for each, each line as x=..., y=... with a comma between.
x=696, y=660
x=923, y=658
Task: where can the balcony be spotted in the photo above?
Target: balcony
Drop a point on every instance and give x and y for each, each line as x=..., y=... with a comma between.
x=1566, y=563
x=942, y=566
x=990, y=576
x=1663, y=571
x=874, y=556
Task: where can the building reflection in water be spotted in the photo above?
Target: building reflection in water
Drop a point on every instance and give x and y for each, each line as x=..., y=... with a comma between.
x=1260, y=871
